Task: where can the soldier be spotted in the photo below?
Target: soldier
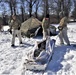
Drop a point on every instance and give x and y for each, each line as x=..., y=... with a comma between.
x=46, y=26
x=63, y=28
x=15, y=28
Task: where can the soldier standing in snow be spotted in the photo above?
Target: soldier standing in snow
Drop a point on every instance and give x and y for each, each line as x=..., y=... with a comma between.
x=15, y=28
x=63, y=28
x=46, y=26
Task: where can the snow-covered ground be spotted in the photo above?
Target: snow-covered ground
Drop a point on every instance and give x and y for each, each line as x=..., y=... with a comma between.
x=62, y=63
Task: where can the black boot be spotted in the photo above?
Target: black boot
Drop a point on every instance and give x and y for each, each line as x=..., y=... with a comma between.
x=12, y=45
x=20, y=42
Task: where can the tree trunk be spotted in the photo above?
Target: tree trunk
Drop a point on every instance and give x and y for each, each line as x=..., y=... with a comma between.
x=62, y=5
x=14, y=10
x=10, y=5
x=22, y=11
x=37, y=6
x=30, y=9
x=47, y=7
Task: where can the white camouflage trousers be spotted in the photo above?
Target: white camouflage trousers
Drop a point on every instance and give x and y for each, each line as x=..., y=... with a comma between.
x=18, y=34
x=63, y=36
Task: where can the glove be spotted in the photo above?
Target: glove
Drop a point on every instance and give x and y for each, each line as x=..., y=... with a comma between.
x=10, y=31
x=60, y=28
x=18, y=28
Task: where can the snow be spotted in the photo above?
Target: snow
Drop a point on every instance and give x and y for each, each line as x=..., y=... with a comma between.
x=5, y=28
x=62, y=63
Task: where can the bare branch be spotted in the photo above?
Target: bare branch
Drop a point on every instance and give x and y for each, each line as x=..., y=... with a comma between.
x=27, y=1
x=55, y=1
x=34, y=2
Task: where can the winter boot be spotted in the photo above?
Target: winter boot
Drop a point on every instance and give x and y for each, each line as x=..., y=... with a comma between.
x=20, y=42
x=12, y=45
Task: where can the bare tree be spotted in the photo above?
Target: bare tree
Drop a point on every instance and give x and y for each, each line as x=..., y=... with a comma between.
x=23, y=9
x=4, y=9
x=31, y=3
x=37, y=5
x=14, y=3
x=9, y=3
x=46, y=7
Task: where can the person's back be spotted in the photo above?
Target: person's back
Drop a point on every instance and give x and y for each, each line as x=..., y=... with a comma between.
x=63, y=22
x=63, y=28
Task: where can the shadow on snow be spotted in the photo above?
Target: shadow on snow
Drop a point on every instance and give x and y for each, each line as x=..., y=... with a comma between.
x=58, y=56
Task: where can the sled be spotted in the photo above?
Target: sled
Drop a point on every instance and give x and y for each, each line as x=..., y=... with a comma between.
x=35, y=67
x=38, y=66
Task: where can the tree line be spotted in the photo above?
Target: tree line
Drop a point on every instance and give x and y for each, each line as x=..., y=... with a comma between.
x=37, y=8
